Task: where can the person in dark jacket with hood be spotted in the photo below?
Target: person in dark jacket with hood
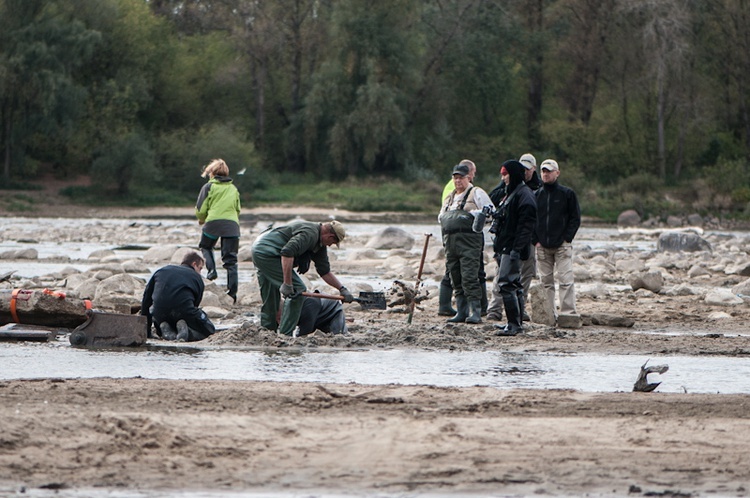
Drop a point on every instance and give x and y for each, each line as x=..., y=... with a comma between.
x=559, y=217
x=515, y=219
x=528, y=267
x=218, y=211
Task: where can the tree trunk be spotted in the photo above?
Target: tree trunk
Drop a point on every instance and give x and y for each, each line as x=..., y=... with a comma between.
x=259, y=78
x=7, y=132
x=38, y=307
x=660, y=111
x=536, y=78
x=295, y=149
x=680, y=148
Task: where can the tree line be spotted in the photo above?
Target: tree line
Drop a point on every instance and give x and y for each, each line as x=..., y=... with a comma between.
x=627, y=95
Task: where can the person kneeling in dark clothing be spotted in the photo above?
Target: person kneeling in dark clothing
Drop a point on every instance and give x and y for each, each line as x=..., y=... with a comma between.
x=326, y=315
x=171, y=299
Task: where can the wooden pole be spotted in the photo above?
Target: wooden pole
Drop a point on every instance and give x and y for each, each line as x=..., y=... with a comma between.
x=419, y=277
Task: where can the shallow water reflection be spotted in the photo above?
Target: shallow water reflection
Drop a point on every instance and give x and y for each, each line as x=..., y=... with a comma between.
x=503, y=370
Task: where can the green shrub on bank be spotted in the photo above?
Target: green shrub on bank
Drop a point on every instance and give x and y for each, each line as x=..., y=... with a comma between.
x=17, y=185
x=18, y=203
x=144, y=197
x=370, y=195
x=644, y=192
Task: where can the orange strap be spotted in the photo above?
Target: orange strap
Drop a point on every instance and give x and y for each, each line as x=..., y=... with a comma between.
x=14, y=296
x=13, y=314
x=24, y=295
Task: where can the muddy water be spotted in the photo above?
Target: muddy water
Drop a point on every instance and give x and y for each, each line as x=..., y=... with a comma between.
x=503, y=370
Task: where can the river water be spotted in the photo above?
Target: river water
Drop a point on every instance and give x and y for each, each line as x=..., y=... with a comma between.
x=499, y=369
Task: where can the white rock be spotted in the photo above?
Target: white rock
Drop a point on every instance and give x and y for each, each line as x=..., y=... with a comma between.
x=723, y=297
x=718, y=315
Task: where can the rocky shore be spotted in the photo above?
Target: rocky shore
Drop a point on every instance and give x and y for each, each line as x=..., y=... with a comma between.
x=641, y=291
x=670, y=280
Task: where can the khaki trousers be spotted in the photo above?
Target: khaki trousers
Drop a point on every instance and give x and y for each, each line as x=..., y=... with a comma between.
x=561, y=259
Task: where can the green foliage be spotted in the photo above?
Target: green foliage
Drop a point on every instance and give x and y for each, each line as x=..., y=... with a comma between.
x=200, y=82
x=417, y=174
x=741, y=196
x=373, y=195
x=123, y=163
x=144, y=196
x=729, y=182
x=18, y=185
x=643, y=192
x=41, y=46
x=183, y=155
x=359, y=97
x=17, y=203
x=338, y=91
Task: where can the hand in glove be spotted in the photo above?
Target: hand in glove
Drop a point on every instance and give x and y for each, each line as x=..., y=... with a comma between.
x=287, y=290
x=348, y=296
x=514, y=255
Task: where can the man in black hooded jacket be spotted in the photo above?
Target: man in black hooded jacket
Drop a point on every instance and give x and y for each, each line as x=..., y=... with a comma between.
x=516, y=217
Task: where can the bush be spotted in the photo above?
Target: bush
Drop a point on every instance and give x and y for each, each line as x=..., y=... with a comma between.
x=373, y=195
x=726, y=175
x=16, y=185
x=18, y=203
x=183, y=156
x=121, y=162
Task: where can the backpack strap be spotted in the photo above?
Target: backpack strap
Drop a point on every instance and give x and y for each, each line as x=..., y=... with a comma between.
x=466, y=198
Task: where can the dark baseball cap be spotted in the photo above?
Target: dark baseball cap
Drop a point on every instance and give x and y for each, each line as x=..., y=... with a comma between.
x=461, y=169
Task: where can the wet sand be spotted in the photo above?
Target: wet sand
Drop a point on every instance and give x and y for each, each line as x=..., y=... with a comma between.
x=288, y=437
x=179, y=436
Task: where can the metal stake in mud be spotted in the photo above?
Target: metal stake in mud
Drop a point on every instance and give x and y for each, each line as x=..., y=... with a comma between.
x=419, y=277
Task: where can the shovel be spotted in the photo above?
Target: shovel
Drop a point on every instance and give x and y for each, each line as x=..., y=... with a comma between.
x=419, y=277
x=368, y=300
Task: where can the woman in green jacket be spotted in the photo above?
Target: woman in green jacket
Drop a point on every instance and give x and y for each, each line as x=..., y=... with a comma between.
x=218, y=210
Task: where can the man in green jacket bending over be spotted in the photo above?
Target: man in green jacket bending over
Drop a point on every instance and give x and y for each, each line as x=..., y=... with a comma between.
x=275, y=255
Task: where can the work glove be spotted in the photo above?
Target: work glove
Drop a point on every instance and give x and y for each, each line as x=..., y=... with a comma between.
x=348, y=296
x=514, y=255
x=287, y=290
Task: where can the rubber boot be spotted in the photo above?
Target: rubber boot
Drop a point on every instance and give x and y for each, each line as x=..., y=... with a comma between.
x=208, y=255
x=338, y=324
x=232, y=282
x=523, y=317
x=463, y=310
x=513, y=313
x=483, y=302
x=183, y=331
x=168, y=333
x=446, y=294
x=475, y=312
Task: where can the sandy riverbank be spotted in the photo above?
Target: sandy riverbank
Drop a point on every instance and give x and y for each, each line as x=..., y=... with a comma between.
x=154, y=435
x=338, y=439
